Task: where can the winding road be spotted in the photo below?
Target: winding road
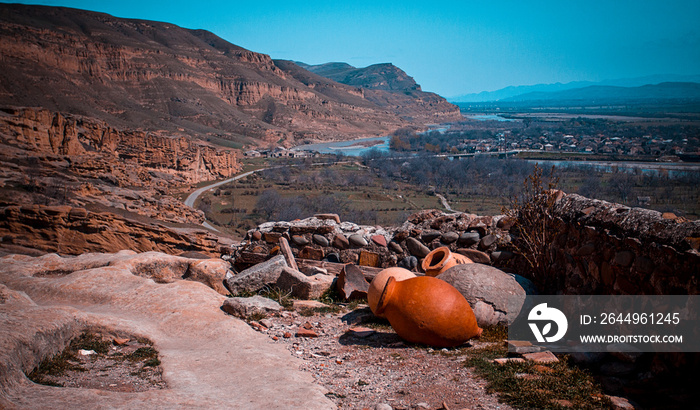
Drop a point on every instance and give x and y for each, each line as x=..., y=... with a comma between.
x=445, y=203
x=192, y=198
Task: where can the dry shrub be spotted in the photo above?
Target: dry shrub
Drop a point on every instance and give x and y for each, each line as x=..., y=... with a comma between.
x=533, y=230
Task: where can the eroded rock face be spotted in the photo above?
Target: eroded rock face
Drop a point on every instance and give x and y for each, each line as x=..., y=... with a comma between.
x=73, y=231
x=191, y=82
x=41, y=131
x=41, y=313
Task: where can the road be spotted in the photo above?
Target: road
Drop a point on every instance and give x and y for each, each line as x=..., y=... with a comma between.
x=192, y=198
x=444, y=203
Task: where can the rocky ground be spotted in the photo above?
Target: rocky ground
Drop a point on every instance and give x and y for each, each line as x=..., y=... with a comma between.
x=120, y=365
x=364, y=364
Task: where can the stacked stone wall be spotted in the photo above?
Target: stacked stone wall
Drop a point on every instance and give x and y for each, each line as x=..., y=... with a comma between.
x=606, y=248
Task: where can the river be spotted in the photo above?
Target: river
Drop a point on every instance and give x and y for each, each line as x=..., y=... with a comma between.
x=350, y=148
x=672, y=169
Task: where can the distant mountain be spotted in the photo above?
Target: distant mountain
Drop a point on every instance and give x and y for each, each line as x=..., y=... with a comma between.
x=388, y=86
x=385, y=76
x=154, y=76
x=513, y=91
x=597, y=93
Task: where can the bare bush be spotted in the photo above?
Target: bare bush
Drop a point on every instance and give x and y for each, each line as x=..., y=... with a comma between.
x=533, y=229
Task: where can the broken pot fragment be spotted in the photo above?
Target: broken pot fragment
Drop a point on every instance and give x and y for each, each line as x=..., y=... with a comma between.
x=441, y=259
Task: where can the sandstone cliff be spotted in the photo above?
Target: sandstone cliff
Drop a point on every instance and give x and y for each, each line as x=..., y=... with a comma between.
x=41, y=131
x=157, y=76
x=73, y=231
x=57, y=159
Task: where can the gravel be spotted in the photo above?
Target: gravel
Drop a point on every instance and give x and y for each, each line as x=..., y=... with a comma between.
x=364, y=364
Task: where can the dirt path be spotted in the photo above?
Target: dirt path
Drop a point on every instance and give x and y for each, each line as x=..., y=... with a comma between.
x=373, y=367
x=445, y=203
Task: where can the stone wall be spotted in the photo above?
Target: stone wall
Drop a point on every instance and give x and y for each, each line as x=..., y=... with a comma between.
x=598, y=247
x=606, y=248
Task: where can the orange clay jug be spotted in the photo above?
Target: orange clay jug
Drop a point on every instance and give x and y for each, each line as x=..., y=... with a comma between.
x=379, y=282
x=441, y=259
x=428, y=310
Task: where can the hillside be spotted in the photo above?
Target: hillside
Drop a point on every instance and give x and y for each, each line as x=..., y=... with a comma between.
x=156, y=76
x=522, y=90
x=657, y=92
x=388, y=86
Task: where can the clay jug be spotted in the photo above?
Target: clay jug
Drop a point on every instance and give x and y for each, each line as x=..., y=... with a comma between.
x=379, y=282
x=428, y=310
x=441, y=259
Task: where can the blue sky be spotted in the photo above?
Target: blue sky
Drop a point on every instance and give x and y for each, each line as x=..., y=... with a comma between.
x=451, y=47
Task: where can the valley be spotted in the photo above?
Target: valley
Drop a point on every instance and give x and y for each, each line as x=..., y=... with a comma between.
x=211, y=217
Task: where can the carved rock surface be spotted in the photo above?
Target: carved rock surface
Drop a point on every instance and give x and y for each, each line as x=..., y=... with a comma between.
x=57, y=229
x=40, y=313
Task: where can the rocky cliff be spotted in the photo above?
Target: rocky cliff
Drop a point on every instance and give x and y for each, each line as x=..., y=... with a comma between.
x=42, y=132
x=126, y=179
x=157, y=76
x=73, y=231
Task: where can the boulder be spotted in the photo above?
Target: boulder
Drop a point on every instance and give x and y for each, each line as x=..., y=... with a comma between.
x=475, y=256
x=487, y=241
x=357, y=240
x=495, y=296
x=449, y=237
x=409, y=262
x=299, y=240
x=245, y=307
x=395, y=247
x=320, y=240
x=469, y=238
x=416, y=248
x=429, y=236
x=257, y=276
x=302, y=286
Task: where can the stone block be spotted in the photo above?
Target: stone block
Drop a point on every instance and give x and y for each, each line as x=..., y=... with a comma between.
x=332, y=217
x=311, y=253
x=341, y=242
x=302, y=286
x=257, y=276
x=245, y=307
x=541, y=357
x=368, y=258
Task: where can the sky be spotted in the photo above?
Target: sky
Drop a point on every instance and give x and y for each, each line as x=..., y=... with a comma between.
x=450, y=47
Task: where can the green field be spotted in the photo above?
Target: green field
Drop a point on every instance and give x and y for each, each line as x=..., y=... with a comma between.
x=370, y=196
